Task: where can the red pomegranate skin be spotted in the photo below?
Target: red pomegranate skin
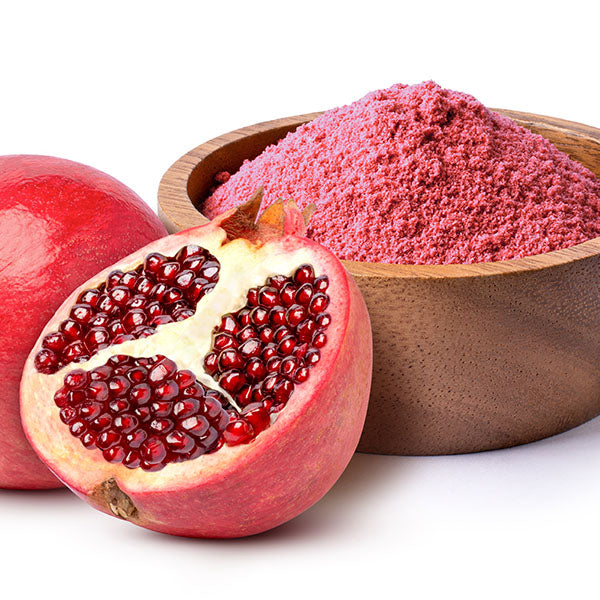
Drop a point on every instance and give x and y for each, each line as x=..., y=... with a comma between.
x=60, y=222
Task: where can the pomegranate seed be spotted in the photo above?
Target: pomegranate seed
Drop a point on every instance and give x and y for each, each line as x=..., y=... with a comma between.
x=107, y=305
x=166, y=391
x=306, y=330
x=259, y=316
x=68, y=414
x=269, y=352
x=126, y=423
x=287, y=345
x=120, y=295
x=278, y=281
x=182, y=314
x=90, y=410
x=180, y=442
x=90, y=297
x=323, y=320
x=211, y=363
x=54, y=341
x=132, y=460
x=197, y=425
x=258, y=416
x=318, y=304
x=168, y=271
x=301, y=375
x=129, y=279
x=88, y=439
x=295, y=315
x=304, y=294
x=96, y=337
x=153, y=262
x=115, y=327
x=244, y=396
x=161, y=371
x=246, y=333
x=190, y=250
x=100, y=320
x=266, y=335
x=71, y=329
x=185, y=378
x=107, y=439
x=288, y=366
x=77, y=428
x=230, y=359
x=137, y=374
x=76, y=352
x=277, y=316
x=133, y=318
x=185, y=279
x=114, y=455
x=244, y=317
x=304, y=274
x=238, y=432
x=287, y=294
x=212, y=409
x=274, y=364
x=255, y=369
x=224, y=340
x=252, y=297
x=118, y=405
x=153, y=451
x=231, y=381
x=61, y=397
x=313, y=357
x=210, y=270
x=46, y=361
x=268, y=297
x=321, y=283
x=101, y=373
x=136, y=438
x=250, y=348
x=319, y=340
x=186, y=408
x=229, y=325
x=161, y=426
x=194, y=263
x=98, y=391
x=119, y=385
x=113, y=279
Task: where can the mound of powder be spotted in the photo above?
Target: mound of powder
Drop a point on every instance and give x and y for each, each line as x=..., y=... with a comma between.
x=423, y=175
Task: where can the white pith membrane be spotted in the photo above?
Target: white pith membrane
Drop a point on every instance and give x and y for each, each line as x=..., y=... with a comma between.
x=243, y=265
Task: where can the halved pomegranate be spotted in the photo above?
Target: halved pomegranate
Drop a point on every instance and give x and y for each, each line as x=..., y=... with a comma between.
x=213, y=384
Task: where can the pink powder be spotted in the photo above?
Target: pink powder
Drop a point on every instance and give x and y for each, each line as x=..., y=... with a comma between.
x=422, y=175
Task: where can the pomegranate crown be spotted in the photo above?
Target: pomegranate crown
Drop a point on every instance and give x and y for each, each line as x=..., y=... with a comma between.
x=282, y=218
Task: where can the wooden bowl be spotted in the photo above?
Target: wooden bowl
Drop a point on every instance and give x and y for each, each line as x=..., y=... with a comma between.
x=467, y=357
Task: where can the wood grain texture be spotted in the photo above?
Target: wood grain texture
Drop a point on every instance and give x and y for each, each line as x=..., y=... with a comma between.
x=467, y=357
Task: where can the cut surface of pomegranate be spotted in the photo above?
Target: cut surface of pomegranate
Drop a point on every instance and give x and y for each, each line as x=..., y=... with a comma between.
x=228, y=389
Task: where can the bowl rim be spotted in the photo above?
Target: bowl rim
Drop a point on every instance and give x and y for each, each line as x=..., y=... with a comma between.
x=173, y=188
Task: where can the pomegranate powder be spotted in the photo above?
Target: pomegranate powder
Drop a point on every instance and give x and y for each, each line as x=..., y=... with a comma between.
x=423, y=175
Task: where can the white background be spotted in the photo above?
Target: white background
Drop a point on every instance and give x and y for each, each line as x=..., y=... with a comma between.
x=130, y=86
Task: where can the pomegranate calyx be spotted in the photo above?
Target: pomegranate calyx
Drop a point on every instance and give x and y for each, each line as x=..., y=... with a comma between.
x=109, y=495
x=280, y=219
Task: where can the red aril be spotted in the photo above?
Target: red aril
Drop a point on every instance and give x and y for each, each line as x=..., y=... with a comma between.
x=233, y=416
x=60, y=222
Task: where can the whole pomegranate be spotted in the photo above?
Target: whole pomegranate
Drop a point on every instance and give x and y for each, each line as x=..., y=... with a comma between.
x=222, y=381
x=60, y=222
